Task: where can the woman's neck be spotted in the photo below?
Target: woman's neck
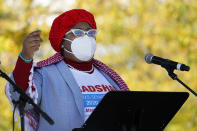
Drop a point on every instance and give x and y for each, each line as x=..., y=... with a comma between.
x=82, y=66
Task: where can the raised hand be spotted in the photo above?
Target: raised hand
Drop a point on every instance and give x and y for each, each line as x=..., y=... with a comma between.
x=31, y=44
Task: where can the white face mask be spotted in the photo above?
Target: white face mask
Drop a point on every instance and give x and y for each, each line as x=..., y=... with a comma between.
x=83, y=48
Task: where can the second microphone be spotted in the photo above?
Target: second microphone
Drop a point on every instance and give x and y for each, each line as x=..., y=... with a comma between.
x=166, y=63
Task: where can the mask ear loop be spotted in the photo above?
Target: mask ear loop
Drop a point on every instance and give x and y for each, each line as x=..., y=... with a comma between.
x=65, y=48
x=67, y=40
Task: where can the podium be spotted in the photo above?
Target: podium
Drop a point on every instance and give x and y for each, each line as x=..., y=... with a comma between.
x=134, y=111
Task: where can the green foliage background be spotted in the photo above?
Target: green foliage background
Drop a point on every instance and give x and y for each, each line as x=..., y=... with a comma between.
x=128, y=29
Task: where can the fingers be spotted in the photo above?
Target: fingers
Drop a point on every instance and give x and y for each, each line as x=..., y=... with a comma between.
x=34, y=43
x=35, y=48
x=31, y=44
x=35, y=33
x=35, y=38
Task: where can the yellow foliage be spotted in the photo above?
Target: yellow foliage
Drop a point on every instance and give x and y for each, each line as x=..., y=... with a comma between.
x=128, y=29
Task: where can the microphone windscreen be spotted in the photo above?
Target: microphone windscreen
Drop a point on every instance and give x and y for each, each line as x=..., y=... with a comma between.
x=148, y=58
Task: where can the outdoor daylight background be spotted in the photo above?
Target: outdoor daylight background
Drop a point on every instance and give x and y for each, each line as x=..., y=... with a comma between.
x=128, y=29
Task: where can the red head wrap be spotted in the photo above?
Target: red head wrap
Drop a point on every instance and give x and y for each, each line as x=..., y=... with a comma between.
x=65, y=22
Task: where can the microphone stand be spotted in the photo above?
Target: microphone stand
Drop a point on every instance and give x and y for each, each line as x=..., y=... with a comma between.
x=175, y=77
x=23, y=99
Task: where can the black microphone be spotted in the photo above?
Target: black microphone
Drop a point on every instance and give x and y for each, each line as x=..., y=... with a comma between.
x=150, y=58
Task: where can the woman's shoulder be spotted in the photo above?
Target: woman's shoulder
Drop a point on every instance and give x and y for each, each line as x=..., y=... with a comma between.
x=48, y=64
x=50, y=61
